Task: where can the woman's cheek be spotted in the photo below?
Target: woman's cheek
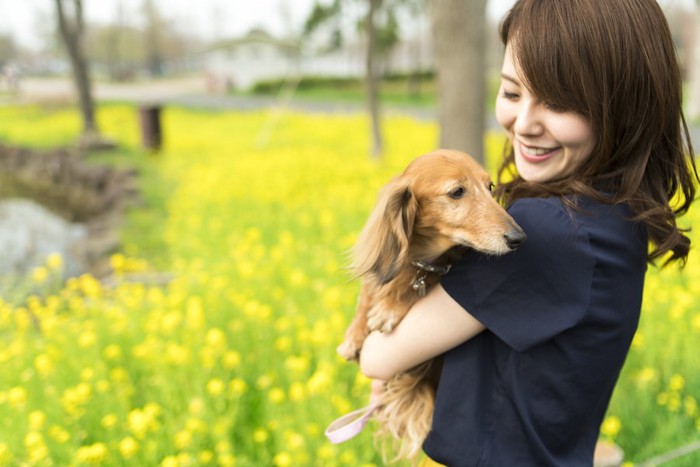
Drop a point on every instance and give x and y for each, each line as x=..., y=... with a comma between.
x=505, y=113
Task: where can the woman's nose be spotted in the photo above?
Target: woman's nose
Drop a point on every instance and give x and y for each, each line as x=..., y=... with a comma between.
x=527, y=120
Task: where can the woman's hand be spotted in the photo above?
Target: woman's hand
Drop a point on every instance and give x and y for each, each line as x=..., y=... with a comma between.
x=378, y=387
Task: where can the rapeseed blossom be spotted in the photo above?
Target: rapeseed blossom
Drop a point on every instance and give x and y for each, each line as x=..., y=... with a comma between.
x=214, y=342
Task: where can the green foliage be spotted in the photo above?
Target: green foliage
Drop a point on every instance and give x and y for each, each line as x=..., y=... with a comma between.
x=232, y=361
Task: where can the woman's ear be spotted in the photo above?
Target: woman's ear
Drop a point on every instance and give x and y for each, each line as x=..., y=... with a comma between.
x=382, y=247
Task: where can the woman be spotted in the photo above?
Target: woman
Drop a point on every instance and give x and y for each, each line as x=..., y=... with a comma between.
x=534, y=340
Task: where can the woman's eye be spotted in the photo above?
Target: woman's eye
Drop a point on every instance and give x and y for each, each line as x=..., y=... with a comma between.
x=491, y=186
x=509, y=95
x=457, y=193
x=554, y=107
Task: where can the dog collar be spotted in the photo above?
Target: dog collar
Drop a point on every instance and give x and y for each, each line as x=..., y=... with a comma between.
x=419, y=284
x=425, y=266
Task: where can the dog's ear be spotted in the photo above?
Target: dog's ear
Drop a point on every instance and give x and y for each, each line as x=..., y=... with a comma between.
x=382, y=247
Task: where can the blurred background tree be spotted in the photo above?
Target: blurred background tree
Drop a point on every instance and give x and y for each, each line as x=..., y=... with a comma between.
x=459, y=43
x=71, y=26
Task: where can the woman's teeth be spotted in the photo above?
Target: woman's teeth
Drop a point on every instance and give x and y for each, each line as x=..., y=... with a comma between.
x=536, y=151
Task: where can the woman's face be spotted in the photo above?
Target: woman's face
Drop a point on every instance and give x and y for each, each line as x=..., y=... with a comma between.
x=548, y=144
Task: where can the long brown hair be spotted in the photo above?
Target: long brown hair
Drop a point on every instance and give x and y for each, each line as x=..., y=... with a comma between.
x=613, y=62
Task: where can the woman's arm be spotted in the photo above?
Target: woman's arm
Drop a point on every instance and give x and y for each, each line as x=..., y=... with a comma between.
x=435, y=324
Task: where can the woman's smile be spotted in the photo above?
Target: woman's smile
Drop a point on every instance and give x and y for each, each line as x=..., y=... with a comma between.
x=534, y=154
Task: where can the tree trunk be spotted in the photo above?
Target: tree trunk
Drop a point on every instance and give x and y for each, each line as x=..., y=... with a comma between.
x=72, y=34
x=459, y=45
x=693, y=106
x=373, y=79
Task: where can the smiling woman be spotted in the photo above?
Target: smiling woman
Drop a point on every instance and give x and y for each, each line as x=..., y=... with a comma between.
x=591, y=106
x=548, y=143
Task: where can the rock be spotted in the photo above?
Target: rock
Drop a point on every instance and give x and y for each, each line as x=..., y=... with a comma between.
x=29, y=233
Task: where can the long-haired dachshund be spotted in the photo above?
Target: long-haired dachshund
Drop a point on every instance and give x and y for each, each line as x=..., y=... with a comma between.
x=442, y=203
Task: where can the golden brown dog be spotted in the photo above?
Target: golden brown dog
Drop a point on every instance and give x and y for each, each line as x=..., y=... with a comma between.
x=442, y=202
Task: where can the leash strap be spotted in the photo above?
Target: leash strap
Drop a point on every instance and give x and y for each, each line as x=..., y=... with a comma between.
x=350, y=425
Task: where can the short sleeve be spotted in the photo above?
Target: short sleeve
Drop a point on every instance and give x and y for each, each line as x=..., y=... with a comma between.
x=530, y=295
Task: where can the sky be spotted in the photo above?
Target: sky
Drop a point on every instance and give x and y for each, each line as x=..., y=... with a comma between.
x=211, y=19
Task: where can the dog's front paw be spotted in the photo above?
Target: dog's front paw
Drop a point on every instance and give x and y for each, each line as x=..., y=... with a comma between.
x=382, y=320
x=349, y=350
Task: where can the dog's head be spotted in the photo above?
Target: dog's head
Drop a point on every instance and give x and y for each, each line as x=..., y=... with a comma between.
x=442, y=200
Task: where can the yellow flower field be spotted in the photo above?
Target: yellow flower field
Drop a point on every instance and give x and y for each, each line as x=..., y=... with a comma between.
x=232, y=361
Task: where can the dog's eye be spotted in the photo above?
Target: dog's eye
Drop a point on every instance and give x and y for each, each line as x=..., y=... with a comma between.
x=491, y=186
x=457, y=193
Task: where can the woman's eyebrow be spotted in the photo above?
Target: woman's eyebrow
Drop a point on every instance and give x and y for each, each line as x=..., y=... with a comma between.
x=510, y=78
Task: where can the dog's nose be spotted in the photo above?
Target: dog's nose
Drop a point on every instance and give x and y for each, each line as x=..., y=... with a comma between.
x=515, y=238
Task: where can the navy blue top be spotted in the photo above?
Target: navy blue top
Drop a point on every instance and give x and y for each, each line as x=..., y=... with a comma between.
x=560, y=313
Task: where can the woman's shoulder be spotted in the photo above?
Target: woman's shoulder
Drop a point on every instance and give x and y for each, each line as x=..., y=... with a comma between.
x=551, y=221
x=544, y=219
x=578, y=213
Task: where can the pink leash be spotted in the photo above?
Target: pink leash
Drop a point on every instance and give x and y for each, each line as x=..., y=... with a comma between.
x=350, y=425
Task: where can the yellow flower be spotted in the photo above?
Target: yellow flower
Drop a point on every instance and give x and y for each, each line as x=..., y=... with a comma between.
x=611, y=426
x=283, y=343
x=264, y=381
x=677, y=383
x=128, y=447
x=662, y=398
x=695, y=322
x=33, y=439
x=232, y=359
x=196, y=425
x=87, y=374
x=196, y=406
x=215, y=338
x=177, y=354
x=141, y=421
x=205, y=457
x=117, y=261
x=40, y=274
x=293, y=440
x=87, y=339
x=282, y=459
x=109, y=421
x=326, y=452
x=17, y=396
x=183, y=439
x=37, y=419
x=237, y=387
x=112, y=352
x=646, y=375
x=54, y=261
x=215, y=387
x=227, y=460
x=260, y=435
x=90, y=286
x=58, y=434
x=276, y=395
x=34, y=443
x=638, y=340
x=195, y=313
x=5, y=454
x=92, y=454
x=296, y=391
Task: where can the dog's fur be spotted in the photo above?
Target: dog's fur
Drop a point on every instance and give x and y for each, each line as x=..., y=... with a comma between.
x=438, y=206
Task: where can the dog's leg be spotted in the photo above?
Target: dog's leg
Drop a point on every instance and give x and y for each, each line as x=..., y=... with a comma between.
x=386, y=314
x=357, y=331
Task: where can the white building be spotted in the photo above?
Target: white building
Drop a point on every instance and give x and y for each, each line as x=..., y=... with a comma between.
x=257, y=56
